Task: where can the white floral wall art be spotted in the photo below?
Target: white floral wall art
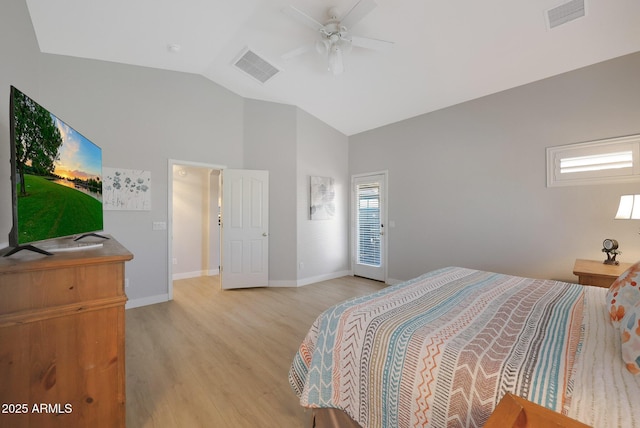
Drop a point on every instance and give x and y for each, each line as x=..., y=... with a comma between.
x=323, y=198
x=126, y=189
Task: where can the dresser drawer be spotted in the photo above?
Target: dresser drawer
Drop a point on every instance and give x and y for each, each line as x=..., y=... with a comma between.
x=36, y=289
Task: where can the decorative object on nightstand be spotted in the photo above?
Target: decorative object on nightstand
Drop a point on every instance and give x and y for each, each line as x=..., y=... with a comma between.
x=610, y=246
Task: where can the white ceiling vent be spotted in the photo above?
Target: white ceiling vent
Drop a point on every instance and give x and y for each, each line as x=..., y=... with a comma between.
x=255, y=66
x=564, y=13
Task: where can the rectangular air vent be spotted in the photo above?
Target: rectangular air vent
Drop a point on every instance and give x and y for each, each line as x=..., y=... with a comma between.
x=255, y=66
x=564, y=13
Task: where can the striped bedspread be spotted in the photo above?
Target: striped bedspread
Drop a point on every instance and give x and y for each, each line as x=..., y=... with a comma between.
x=442, y=349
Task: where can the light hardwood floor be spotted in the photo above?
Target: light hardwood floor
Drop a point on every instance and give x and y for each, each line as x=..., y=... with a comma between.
x=213, y=358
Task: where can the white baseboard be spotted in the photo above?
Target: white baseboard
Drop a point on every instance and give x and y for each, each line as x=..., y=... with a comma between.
x=145, y=301
x=187, y=275
x=283, y=283
x=310, y=280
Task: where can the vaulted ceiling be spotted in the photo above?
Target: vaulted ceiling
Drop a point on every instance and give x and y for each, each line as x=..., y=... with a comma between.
x=443, y=53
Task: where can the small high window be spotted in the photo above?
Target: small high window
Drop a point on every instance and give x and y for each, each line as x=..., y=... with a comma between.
x=613, y=160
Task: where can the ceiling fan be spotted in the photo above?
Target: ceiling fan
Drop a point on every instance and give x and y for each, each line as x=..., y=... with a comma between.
x=335, y=39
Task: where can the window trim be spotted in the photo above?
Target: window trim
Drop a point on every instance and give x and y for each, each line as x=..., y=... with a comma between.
x=615, y=174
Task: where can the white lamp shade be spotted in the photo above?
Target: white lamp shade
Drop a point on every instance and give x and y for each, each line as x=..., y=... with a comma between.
x=629, y=208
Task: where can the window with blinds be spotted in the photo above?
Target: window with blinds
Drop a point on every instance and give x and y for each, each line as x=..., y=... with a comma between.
x=368, y=224
x=604, y=161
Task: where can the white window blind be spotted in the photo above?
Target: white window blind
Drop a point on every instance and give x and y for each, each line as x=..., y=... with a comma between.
x=603, y=161
x=596, y=162
x=368, y=196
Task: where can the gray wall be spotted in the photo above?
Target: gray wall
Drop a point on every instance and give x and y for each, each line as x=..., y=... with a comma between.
x=323, y=246
x=19, y=67
x=467, y=183
x=270, y=143
x=141, y=118
x=293, y=145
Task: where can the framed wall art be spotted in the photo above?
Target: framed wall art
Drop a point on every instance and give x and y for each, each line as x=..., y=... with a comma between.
x=322, y=198
x=126, y=189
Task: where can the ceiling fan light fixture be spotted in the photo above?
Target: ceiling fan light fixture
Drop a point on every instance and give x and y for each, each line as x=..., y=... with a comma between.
x=336, y=65
x=345, y=45
x=322, y=47
x=336, y=40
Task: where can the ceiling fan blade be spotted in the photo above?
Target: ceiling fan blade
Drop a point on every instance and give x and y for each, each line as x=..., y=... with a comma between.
x=369, y=43
x=300, y=16
x=357, y=12
x=298, y=51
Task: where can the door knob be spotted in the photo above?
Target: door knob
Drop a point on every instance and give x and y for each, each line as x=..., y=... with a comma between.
x=264, y=233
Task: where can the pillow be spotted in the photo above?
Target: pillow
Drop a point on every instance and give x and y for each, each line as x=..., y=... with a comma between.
x=623, y=294
x=630, y=335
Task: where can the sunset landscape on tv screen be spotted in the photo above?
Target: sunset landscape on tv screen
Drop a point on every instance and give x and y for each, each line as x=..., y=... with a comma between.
x=58, y=175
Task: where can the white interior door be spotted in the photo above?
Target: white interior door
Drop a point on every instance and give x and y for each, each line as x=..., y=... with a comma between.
x=369, y=224
x=245, y=229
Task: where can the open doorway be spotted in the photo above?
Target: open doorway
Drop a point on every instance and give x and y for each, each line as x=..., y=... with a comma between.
x=193, y=226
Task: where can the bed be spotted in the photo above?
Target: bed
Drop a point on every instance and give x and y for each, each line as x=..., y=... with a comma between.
x=444, y=348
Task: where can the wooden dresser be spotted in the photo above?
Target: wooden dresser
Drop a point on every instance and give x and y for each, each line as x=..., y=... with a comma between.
x=62, y=355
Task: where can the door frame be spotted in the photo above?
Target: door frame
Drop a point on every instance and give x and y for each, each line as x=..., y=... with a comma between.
x=170, y=165
x=384, y=212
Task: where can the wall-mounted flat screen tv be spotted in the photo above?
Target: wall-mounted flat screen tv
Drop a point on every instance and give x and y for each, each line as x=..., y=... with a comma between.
x=56, y=176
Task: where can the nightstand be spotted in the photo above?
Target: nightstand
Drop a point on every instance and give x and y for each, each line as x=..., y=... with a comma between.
x=513, y=411
x=594, y=272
